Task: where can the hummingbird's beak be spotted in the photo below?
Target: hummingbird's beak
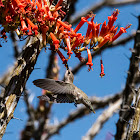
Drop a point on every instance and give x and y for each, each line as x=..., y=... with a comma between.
x=67, y=66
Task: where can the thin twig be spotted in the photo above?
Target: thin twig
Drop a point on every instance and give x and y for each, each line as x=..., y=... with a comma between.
x=96, y=7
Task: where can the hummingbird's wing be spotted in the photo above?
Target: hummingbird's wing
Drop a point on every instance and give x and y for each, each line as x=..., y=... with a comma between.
x=55, y=98
x=56, y=87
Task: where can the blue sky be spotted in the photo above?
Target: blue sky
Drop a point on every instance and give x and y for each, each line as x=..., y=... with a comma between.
x=116, y=65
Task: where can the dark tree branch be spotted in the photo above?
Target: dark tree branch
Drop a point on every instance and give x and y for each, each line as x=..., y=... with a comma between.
x=130, y=83
x=24, y=67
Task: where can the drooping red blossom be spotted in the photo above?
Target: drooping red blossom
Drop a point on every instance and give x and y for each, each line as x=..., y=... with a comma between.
x=68, y=46
x=20, y=5
x=83, y=20
x=44, y=31
x=102, y=74
x=64, y=24
x=55, y=41
x=23, y=25
x=34, y=27
x=62, y=57
x=89, y=63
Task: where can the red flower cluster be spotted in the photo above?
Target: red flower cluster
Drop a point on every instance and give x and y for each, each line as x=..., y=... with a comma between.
x=28, y=17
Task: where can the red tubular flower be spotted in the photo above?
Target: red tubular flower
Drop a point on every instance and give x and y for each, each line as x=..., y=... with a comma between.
x=36, y=32
x=20, y=5
x=97, y=29
x=55, y=41
x=33, y=5
x=68, y=46
x=46, y=6
x=62, y=57
x=89, y=29
x=39, y=6
x=89, y=63
x=122, y=30
x=83, y=20
x=64, y=24
x=95, y=32
x=55, y=14
x=58, y=4
x=112, y=18
x=44, y=30
x=47, y=12
x=94, y=29
x=23, y=25
x=34, y=27
x=104, y=29
x=30, y=30
x=102, y=69
x=57, y=27
x=61, y=32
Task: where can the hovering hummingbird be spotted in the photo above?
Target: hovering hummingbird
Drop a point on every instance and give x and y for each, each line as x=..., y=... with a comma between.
x=63, y=91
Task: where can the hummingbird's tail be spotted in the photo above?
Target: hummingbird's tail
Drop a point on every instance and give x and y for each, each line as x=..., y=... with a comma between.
x=55, y=98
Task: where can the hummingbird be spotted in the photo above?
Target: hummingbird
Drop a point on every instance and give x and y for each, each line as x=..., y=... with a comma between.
x=63, y=91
